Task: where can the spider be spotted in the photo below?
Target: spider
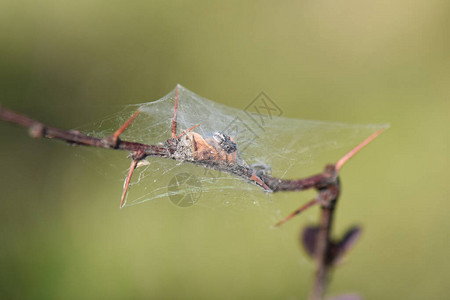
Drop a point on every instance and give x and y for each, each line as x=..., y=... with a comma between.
x=217, y=151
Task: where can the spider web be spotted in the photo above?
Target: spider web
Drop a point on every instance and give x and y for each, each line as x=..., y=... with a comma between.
x=287, y=148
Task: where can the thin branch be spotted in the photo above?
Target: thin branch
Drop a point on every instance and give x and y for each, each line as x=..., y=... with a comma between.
x=322, y=253
x=39, y=130
x=327, y=183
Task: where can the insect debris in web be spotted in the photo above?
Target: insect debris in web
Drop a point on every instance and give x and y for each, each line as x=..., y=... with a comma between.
x=217, y=151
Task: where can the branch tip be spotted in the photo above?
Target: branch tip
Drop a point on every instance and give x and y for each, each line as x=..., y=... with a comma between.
x=114, y=138
x=302, y=208
x=355, y=150
x=126, y=183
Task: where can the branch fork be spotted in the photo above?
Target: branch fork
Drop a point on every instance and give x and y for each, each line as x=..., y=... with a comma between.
x=316, y=240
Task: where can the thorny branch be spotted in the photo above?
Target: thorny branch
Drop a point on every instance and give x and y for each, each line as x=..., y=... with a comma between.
x=39, y=130
x=326, y=183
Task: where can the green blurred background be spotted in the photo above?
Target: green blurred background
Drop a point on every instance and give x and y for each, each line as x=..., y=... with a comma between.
x=68, y=63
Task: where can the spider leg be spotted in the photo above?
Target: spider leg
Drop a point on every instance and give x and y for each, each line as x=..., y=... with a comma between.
x=118, y=132
x=303, y=208
x=174, y=119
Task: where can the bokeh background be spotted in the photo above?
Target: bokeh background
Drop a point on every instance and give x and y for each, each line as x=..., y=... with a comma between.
x=68, y=63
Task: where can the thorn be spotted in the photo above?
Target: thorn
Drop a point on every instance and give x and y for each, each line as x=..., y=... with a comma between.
x=118, y=132
x=185, y=131
x=258, y=180
x=133, y=165
x=174, y=120
x=303, y=208
x=355, y=150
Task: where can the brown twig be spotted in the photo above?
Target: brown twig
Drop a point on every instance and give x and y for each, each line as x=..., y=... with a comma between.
x=323, y=245
x=326, y=183
x=39, y=130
